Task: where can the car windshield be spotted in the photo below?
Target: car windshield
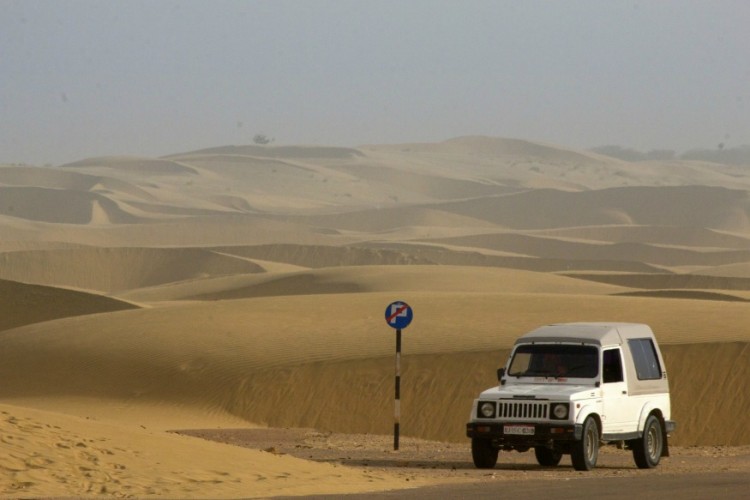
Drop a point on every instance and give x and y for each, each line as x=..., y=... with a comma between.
x=555, y=360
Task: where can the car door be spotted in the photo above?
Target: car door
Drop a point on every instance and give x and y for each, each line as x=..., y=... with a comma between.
x=615, y=407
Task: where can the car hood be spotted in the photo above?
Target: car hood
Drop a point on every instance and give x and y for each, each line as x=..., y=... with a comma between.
x=540, y=391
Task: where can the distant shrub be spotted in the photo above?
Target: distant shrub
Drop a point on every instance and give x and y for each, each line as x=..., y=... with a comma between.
x=261, y=139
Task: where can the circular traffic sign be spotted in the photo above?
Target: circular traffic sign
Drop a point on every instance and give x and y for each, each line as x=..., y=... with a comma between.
x=398, y=315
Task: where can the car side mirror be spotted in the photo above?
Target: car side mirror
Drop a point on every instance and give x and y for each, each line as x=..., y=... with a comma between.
x=500, y=374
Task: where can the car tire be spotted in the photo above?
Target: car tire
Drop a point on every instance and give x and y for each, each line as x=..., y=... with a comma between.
x=483, y=453
x=586, y=451
x=546, y=457
x=648, y=448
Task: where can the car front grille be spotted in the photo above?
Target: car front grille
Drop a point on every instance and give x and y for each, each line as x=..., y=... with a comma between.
x=522, y=410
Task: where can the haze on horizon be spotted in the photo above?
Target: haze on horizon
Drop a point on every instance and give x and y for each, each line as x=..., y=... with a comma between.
x=90, y=78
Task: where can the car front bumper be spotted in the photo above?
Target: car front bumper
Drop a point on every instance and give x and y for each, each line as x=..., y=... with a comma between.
x=543, y=433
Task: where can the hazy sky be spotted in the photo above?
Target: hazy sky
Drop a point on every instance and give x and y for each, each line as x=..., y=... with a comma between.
x=91, y=78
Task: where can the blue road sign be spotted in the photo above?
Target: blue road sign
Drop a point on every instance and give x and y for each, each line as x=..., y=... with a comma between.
x=398, y=315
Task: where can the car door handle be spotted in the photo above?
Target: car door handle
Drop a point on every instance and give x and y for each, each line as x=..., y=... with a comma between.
x=624, y=392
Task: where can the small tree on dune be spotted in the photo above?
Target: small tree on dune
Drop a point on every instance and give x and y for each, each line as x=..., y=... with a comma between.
x=262, y=139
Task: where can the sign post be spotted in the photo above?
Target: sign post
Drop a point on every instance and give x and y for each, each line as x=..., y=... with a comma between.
x=398, y=315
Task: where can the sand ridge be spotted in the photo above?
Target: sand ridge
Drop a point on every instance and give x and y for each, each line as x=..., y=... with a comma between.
x=22, y=304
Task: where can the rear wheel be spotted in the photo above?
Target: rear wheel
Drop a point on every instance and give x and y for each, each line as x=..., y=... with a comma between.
x=483, y=453
x=547, y=457
x=586, y=451
x=648, y=448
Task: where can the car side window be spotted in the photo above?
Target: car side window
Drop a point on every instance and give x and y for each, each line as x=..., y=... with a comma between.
x=645, y=359
x=612, y=366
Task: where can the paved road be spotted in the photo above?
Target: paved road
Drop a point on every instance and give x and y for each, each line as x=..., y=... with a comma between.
x=701, y=486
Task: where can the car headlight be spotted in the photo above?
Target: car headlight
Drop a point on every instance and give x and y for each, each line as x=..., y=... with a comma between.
x=560, y=411
x=486, y=409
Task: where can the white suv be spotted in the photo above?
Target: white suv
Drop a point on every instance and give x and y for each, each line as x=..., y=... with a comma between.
x=569, y=387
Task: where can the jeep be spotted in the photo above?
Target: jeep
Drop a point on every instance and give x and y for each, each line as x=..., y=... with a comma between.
x=568, y=388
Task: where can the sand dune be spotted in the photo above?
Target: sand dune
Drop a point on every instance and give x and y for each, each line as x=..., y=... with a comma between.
x=193, y=231
x=532, y=165
x=368, y=279
x=261, y=274
x=741, y=270
x=476, y=257
x=22, y=304
x=391, y=253
x=150, y=166
x=426, y=184
x=499, y=147
x=271, y=151
x=289, y=179
x=41, y=204
x=40, y=449
x=625, y=208
x=324, y=255
x=291, y=184
x=47, y=178
x=685, y=294
x=61, y=179
x=696, y=237
x=389, y=218
x=573, y=250
x=672, y=281
x=720, y=208
x=116, y=269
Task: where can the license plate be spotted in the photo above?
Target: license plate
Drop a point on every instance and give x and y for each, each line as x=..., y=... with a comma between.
x=519, y=430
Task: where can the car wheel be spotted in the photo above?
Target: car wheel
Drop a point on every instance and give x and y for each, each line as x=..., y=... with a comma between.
x=586, y=451
x=547, y=457
x=647, y=449
x=483, y=453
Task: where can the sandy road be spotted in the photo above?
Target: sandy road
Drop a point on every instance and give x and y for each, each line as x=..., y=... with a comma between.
x=690, y=472
x=698, y=486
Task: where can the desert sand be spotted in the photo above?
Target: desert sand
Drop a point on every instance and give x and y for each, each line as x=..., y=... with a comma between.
x=244, y=287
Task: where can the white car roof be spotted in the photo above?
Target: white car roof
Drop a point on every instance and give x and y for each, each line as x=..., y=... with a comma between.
x=603, y=334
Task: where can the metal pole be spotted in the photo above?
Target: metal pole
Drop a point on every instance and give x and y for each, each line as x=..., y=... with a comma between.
x=397, y=413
